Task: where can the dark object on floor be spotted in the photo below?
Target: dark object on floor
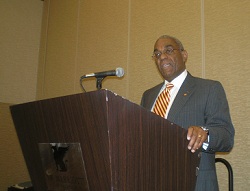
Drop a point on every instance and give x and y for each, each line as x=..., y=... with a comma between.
x=25, y=186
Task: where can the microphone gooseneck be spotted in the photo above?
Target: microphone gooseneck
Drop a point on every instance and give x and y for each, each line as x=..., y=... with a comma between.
x=119, y=72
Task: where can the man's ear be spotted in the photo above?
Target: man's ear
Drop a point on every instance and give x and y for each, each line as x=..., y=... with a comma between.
x=184, y=55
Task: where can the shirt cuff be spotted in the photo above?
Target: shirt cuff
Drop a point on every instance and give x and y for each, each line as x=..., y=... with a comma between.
x=206, y=144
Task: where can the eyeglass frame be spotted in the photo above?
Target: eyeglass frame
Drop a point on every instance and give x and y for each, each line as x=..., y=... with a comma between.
x=168, y=51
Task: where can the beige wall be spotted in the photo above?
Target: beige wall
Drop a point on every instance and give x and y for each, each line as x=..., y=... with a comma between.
x=19, y=46
x=80, y=37
x=92, y=38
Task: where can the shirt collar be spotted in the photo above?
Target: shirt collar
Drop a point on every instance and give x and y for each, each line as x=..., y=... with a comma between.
x=177, y=82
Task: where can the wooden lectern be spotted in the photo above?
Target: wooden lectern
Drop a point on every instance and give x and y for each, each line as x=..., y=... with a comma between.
x=124, y=146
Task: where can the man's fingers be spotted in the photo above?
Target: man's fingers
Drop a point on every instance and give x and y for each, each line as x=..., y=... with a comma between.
x=196, y=136
x=190, y=133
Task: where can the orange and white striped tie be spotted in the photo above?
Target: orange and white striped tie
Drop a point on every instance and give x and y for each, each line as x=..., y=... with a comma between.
x=162, y=101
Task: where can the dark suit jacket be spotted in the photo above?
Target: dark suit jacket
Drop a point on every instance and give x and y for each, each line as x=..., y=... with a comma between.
x=201, y=102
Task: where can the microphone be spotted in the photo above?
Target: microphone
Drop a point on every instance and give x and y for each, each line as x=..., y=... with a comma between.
x=119, y=72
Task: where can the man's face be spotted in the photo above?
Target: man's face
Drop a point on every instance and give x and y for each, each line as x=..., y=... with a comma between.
x=170, y=60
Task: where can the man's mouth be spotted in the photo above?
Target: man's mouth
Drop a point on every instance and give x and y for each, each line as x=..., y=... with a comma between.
x=166, y=65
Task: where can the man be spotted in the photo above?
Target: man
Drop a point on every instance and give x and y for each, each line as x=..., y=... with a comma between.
x=196, y=104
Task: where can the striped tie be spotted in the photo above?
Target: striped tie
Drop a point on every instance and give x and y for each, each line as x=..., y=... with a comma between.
x=162, y=101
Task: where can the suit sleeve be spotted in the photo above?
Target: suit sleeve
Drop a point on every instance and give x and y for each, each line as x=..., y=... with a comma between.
x=218, y=120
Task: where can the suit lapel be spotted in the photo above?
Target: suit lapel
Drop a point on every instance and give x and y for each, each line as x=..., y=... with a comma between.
x=186, y=90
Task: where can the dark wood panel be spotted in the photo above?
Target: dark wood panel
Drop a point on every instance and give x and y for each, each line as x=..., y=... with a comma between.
x=76, y=118
x=124, y=146
x=148, y=152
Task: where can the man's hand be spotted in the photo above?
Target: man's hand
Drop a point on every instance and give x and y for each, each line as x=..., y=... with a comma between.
x=196, y=136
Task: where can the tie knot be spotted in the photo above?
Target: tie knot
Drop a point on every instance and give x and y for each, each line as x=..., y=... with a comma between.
x=170, y=86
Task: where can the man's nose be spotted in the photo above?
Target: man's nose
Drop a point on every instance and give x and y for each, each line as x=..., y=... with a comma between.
x=163, y=55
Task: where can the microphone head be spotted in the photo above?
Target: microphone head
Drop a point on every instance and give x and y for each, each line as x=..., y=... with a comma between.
x=119, y=72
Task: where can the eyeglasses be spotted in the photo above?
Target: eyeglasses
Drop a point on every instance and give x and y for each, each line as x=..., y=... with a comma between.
x=168, y=51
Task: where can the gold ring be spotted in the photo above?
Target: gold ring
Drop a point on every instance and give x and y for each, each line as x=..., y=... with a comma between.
x=199, y=136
